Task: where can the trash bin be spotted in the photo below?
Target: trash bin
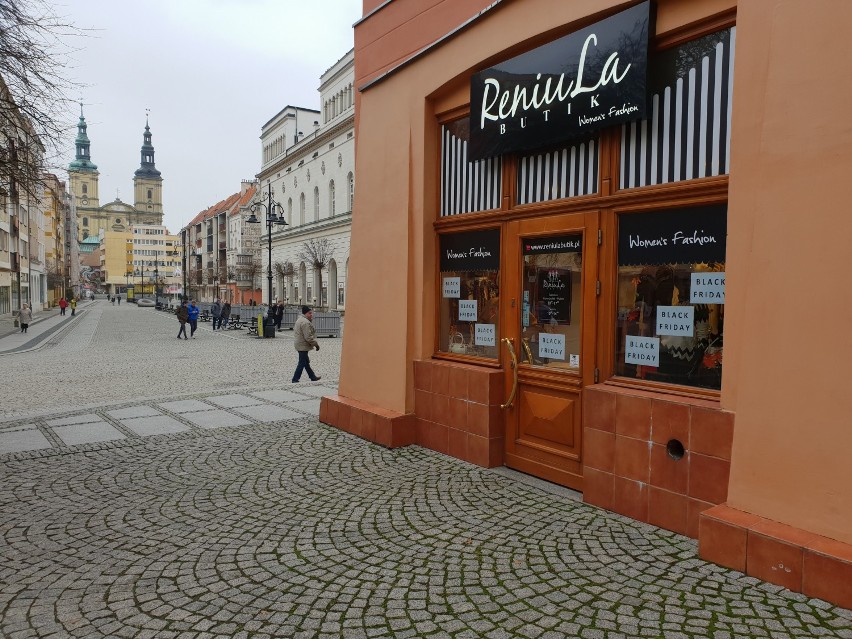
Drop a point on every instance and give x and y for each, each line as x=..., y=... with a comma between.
x=269, y=327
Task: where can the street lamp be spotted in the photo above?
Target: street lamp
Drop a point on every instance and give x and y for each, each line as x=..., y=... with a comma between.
x=272, y=218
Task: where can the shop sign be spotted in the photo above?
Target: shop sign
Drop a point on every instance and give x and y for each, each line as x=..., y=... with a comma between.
x=470, y=251
x=485, y=335
x=452, y=287
x=571, y=87
x=696, y=235
x=676, y=320
x=467, y=310
x=551, y=345
x=642, y=350
x=707, y=288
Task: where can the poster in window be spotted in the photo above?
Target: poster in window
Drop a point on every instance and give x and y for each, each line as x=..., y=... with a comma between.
x=553, y=295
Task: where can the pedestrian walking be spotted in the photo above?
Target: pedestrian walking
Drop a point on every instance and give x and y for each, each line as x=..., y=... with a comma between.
x=118, y=299
x=183, y=317
x=193, y=312
x=63, y=304
x=73, y=305
x=112, y=300
x=304, y=339
x=25, y=317
x=226, y=315
x=216, y=312
x=279, y=314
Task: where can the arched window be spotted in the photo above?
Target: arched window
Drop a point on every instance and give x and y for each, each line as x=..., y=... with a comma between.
x=351, y=191
x=85, y=221
x=150, y=194
x=331, y=199
x=316, y=204
x=85, y=188
x=290, y=211
x=302, y=209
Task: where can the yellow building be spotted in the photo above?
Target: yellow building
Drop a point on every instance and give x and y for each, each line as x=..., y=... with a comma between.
x=144, y=261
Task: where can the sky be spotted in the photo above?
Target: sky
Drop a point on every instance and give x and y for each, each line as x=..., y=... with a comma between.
x=211, y=72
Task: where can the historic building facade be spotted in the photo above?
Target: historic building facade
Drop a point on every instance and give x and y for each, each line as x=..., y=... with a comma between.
x=597, y=225
x=118, y=216
x=308, y=168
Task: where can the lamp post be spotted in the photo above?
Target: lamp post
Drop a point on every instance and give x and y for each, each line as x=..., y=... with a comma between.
x=272, y=219
x=157, y=282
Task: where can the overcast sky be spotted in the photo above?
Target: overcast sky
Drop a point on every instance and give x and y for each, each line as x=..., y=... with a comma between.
x=212, y=72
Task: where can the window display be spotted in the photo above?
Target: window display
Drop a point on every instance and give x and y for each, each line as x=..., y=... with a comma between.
x=671, y=296
x=551, y=305
x=470, y=293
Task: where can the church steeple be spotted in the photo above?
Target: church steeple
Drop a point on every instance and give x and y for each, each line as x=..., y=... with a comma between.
x=147, y=169
x=148, y=183
x=83, y=159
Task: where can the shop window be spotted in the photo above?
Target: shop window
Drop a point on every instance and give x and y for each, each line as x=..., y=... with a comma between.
x=671, y=296
x=687, y=134
x=466, y=187
x=470, y=293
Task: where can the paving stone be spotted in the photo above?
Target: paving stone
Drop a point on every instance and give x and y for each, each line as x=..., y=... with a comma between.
x=157, y=425
x=22, y=440
x=133, y=411
x=268, y=413
x=88, y=418
x=186, y=406
x=88, y=433
x=215, y=419
x=279, y=396
x=266, y=530
x=232, y=401
x=309, y=406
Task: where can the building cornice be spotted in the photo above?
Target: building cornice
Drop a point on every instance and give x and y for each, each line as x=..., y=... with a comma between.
x=307, y=146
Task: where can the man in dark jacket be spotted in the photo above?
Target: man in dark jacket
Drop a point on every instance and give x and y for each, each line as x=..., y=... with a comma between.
x=216, y=312
x=183, y=317
x=279, y=314
x=226, y=315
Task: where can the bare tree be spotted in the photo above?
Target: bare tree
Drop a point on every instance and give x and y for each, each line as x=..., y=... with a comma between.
x=33, y=92
x=318, y=253
x=252, y=270
x=285, y=270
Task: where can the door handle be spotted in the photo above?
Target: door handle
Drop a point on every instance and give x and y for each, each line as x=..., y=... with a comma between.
x=527, y=350
x=514, y=365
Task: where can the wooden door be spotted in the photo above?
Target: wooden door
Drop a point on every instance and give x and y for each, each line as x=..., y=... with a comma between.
x=551, y=279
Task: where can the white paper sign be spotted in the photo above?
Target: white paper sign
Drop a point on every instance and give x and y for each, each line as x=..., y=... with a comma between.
x=707, y=288
x=574, y=361
x=551, y=345
x=676, y=320
x=484, y=335
x=642, y=350
x=467, y=310
x=452, y=287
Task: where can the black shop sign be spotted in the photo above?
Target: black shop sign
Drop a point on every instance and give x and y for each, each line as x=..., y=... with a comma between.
x=683, y=236
x=589, y=80
x=470, y=251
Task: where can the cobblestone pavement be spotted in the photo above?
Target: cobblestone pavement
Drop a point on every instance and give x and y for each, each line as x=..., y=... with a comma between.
x=188, y=525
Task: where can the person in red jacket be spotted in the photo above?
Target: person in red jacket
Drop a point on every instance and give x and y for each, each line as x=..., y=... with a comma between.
x=63, y=304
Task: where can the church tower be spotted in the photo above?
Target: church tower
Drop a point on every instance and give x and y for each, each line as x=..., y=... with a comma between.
x=148, y=184
x=83, y=177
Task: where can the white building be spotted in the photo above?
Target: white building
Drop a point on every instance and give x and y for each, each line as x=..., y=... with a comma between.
x=308, y=159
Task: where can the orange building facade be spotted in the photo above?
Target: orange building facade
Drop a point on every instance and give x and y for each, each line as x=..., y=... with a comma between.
x=555, y=237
